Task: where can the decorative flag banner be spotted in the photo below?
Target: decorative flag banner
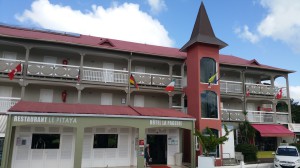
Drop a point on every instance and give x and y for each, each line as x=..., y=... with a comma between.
x=279, y=94
x=212, y=78
x=13, y=72
x=170, y=86
x=133, y=82
x=248, y=93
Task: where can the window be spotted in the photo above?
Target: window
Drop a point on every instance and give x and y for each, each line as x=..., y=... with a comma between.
x=105, y=140
x=216, y=133
x=209, y=105
x=207, y=69
x=45, y=141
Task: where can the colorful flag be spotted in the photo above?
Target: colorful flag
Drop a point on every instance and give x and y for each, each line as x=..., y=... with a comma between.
x=279, y=94
x=248, y=93
x=13, y=72
x=133, y=82
x=170, y=86
x=212, y=78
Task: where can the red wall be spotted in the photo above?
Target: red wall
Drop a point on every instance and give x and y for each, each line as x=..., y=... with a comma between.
x=195, y=88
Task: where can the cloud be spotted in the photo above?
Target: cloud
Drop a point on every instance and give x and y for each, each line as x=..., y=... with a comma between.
x=246, y=34
x=295, y=93
x=157, y=6
x=280, y=23
x=124, y=22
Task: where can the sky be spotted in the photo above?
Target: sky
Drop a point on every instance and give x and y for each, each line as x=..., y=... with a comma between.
x=265, y=30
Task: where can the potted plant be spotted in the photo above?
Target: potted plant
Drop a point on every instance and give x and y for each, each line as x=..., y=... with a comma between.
x=209, y=142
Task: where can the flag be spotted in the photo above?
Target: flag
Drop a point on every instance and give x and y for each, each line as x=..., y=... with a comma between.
x=133, y=82
x=248, y=93
x=170, y=86
x=13, y=72
x=279, y=94
x=212, y=78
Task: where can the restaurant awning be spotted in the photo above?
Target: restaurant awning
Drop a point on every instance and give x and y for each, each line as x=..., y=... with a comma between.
x=272, y=130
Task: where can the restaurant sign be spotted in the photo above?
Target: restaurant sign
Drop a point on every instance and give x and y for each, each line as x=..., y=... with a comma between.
x=165, y=123
x=45, y=120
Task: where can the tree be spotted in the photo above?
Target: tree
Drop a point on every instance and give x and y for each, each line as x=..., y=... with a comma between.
x=295, y=110
x=209, y=141
x=246, y=130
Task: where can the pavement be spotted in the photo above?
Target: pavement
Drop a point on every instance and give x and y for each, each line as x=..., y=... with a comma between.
x=258, y=165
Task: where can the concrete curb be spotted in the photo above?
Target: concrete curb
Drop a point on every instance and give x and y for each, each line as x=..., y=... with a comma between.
x=258, y=165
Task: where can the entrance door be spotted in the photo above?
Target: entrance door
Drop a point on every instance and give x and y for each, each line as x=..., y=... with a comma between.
x=158, y=148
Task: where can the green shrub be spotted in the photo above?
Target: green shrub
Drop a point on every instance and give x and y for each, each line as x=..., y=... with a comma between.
x=249, y=151
x=297, y=145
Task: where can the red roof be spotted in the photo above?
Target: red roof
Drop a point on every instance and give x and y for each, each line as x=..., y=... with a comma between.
x=63, y=108
x=272, y=130
x=111, y=44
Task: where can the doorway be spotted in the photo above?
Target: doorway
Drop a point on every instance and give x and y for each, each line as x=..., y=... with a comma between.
x=158, y=148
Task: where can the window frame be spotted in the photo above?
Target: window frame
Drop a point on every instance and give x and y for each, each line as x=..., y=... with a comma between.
x=45, y=141
x=216, y=70
x=217, y=105
x=106, y=145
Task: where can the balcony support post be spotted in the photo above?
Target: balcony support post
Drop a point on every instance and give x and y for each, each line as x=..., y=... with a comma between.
x=25, y=65
x=170, y=99
x=128, y=101
x=275, y=111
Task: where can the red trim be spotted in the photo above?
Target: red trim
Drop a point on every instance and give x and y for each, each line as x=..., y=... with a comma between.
x=273, y=130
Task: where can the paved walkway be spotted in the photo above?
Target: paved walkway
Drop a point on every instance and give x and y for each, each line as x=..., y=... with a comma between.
x=258, y=165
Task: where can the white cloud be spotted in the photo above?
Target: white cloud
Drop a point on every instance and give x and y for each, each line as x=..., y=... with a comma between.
x=295, y=93
x=280, y=23
x=124, y=22
x=157, y=5
x=246, y=34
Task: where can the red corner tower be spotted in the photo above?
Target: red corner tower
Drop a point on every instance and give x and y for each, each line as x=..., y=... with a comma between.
x=203, y=89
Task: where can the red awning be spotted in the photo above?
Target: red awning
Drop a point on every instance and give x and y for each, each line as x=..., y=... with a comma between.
x=272, y=130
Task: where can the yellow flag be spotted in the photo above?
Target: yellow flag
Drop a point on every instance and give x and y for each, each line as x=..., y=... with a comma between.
x=212, y=78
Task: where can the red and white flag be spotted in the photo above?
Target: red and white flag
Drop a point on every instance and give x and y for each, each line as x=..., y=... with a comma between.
x=248, y=93
x=279, y=94
x=13, y=72
x=170, y=87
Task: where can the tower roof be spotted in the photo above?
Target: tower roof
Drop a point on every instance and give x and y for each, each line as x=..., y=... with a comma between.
x=203, y=32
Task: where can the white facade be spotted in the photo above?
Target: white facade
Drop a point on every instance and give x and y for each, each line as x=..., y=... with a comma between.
x=124, y=155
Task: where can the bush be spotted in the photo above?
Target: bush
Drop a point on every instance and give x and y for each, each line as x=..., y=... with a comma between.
x=249, y=151
x=297, y=145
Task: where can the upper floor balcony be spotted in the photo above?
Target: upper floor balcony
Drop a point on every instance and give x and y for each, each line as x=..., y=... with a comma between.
x=7, y=102
x=48, y=71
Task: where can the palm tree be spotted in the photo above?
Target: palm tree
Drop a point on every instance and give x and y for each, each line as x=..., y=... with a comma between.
x=246, y=130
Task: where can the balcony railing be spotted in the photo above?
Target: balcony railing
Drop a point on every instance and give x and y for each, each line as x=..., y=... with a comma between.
x=264, y=90
x=52, y=70
x=156, y=79
x=232, y=115
x=6, y=65
x=267, y=117
x=231, y=87
x=7, y=102
x=105, y=75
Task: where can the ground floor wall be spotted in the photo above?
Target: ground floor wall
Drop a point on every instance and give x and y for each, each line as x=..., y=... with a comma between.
x=54, y=145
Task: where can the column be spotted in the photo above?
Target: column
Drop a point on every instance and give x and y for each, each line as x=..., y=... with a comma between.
x=81, y=68
x=193, y=144
x=288, y=97
x=25, y=65
x=128, y=83
x=78, y=147
x=171, y=70
x=274, y=104
x=140, y=157
x=7, y=143
x=182, y=102
x=170, y=100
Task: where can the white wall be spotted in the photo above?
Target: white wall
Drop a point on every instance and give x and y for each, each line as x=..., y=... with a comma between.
x=228, y=146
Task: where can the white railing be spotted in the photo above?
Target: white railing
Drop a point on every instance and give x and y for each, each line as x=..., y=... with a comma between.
x=261, y=116
x=7, y=102
x=231, y=86
x=232, y=115
x=282, y=117
x=156, y=79
x=6, y=65
x=264, y=90
x=52, y=70
x=105, y=75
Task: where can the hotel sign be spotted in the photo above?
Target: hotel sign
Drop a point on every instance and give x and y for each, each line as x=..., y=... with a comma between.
x=45, y=120
x=165, y=123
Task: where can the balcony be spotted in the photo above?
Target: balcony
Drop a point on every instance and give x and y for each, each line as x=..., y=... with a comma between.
x=7, y=102
x=231, y=87
x=261, y=89
x=89, y=74
x=267, y=117
x=42, y=69
x=232, y=115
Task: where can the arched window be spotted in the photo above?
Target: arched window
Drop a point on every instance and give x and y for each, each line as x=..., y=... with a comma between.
x=209, y=104
x=207, y=69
